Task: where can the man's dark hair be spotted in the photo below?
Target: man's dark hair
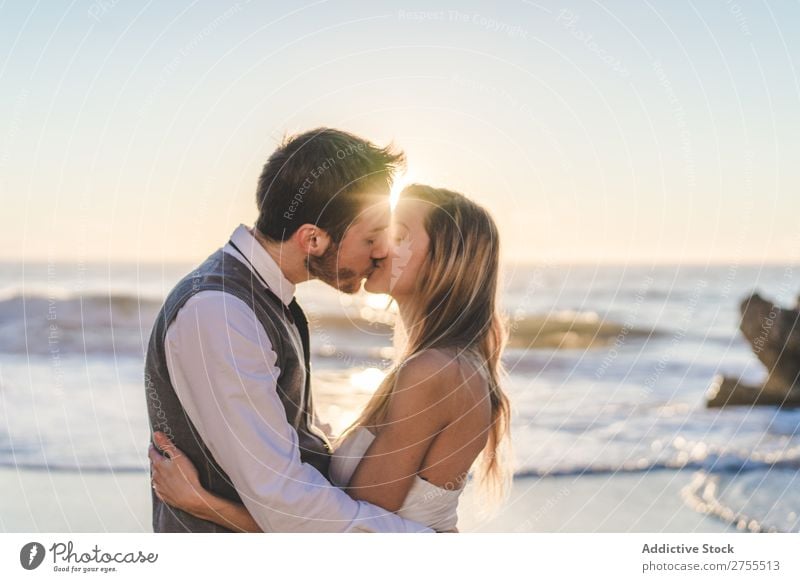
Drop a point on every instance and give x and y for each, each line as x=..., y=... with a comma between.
x=320, y=177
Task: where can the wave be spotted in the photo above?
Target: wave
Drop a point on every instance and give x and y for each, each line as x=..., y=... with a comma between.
x=728, y=464
x=731, y=466
x=63, y=468
x=40, y=325
x=572, y=330
x=565, y=329
x=754, y=502
x=120, y=324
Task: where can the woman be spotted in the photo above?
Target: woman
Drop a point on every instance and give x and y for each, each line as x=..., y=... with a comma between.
x=440, y=410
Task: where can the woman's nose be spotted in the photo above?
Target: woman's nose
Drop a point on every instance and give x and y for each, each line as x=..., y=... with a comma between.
x=380, y=248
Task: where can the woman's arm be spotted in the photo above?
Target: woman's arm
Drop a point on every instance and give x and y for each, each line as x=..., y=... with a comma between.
x=417, y=412
x=175, y=482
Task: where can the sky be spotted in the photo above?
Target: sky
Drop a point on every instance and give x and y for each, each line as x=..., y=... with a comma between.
x=624, y=132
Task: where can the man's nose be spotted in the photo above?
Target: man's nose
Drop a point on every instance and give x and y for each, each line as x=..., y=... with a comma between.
x=380, y=248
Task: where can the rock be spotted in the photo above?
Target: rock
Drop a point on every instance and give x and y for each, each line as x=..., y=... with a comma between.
x=774, y=335
x=726, y=391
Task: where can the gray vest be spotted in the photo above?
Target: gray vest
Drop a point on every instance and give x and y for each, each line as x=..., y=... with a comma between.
x=224, y=272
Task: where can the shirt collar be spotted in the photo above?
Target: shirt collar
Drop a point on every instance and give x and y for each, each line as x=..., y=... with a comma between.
x=261, y=260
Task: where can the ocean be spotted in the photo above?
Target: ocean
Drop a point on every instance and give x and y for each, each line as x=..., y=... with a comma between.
x=607, y=370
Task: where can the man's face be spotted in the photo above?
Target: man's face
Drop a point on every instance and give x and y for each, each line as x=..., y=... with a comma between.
x=345, y=265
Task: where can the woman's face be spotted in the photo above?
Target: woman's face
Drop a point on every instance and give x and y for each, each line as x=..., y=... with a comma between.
x=408, y=246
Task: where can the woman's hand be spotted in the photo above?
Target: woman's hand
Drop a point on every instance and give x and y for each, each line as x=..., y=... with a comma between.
x=175, y=480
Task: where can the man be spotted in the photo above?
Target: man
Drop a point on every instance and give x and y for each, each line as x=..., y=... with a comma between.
x=227, y=372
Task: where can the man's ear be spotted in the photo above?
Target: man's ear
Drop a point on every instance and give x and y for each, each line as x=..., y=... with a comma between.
x=312, y=240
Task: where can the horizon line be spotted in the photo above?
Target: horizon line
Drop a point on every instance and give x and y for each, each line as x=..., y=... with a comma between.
x=717, y=261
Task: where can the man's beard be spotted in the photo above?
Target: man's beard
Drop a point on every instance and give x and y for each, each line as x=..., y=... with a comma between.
x=325, y=269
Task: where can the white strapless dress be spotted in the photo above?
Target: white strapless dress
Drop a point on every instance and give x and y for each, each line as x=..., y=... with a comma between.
x=425, y=503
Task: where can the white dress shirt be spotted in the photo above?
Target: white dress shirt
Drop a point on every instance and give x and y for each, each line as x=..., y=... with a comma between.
x=223, y=369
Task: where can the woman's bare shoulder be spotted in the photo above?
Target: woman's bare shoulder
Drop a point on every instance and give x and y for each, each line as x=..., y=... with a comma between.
x=443, y=371
x=436, y=365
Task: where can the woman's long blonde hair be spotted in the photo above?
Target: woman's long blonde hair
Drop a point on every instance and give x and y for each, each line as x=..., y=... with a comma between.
x=457, y=309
